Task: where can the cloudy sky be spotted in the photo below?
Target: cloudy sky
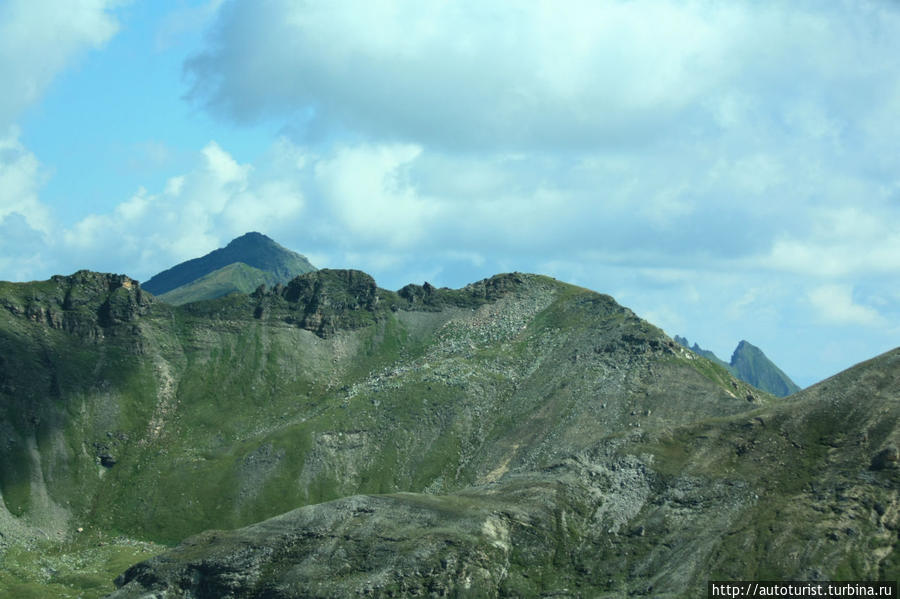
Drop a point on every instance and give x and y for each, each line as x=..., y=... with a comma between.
x=729, y=170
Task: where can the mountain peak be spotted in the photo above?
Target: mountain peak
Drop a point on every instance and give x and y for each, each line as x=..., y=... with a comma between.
x=252, y=249
x=251, y=238
x=751, y=365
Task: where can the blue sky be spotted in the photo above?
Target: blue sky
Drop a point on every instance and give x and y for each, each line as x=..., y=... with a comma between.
x=729, y=170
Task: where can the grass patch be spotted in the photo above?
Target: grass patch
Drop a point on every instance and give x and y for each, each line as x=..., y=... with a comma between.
x=83, y=569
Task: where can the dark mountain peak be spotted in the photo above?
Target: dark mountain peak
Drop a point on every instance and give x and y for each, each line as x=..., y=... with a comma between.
x=745, y=345
x=744, y=351
x=251, y=240
x=750, y=364
x=253, y=249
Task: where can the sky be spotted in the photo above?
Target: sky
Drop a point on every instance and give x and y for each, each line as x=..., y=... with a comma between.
x=728, y=170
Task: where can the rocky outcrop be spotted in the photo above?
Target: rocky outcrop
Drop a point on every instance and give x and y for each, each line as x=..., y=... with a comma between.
x=322, y=301
x=85, y=303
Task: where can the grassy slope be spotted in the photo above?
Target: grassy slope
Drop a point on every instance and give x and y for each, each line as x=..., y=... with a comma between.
x=234, y=278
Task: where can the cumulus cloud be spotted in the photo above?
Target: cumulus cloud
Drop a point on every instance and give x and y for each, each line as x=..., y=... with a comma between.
x=40, y=39
x=835, y=304
x=562, y=74
x=851, y=240
x=21, y=176
x=464, y=73
x=658, y=133
x=195, y=213
x=25, y=222
x=365, y=189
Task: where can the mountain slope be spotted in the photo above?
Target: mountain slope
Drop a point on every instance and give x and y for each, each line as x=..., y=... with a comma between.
x=234, y=278
x=252, y=249
x=123, y=415
x=248, y=406
x=797, y=491
x=751, y=365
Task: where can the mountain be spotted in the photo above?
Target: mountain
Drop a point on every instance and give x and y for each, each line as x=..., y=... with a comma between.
x=519, y=433
x=751, y=365
x=794, y=491
x=245, y=263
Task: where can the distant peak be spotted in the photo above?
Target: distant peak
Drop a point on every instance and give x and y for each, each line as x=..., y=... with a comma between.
x=253, y=249
x=250, y=238
x=744, y=347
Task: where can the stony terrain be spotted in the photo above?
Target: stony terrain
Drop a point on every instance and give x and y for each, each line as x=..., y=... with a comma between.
x=517, y=437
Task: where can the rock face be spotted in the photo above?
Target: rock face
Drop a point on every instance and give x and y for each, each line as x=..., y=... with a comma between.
x=751, y=365
x=328, y=300
x=85, y=303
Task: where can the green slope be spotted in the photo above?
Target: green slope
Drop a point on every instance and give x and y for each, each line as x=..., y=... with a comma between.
x=234, y=278
x=242, y=404
x=252, y=249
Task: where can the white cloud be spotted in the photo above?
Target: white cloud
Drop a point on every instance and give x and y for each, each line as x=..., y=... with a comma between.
x=561, y=74
x=367, y=191
x=21, y=176
x=835, y=305
x=40, y=39
x=846, y=241
x=195, y=213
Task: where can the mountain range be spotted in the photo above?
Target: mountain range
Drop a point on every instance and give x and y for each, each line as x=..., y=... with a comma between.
x=254, y=259
x=324, y=437
x=750, y=364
